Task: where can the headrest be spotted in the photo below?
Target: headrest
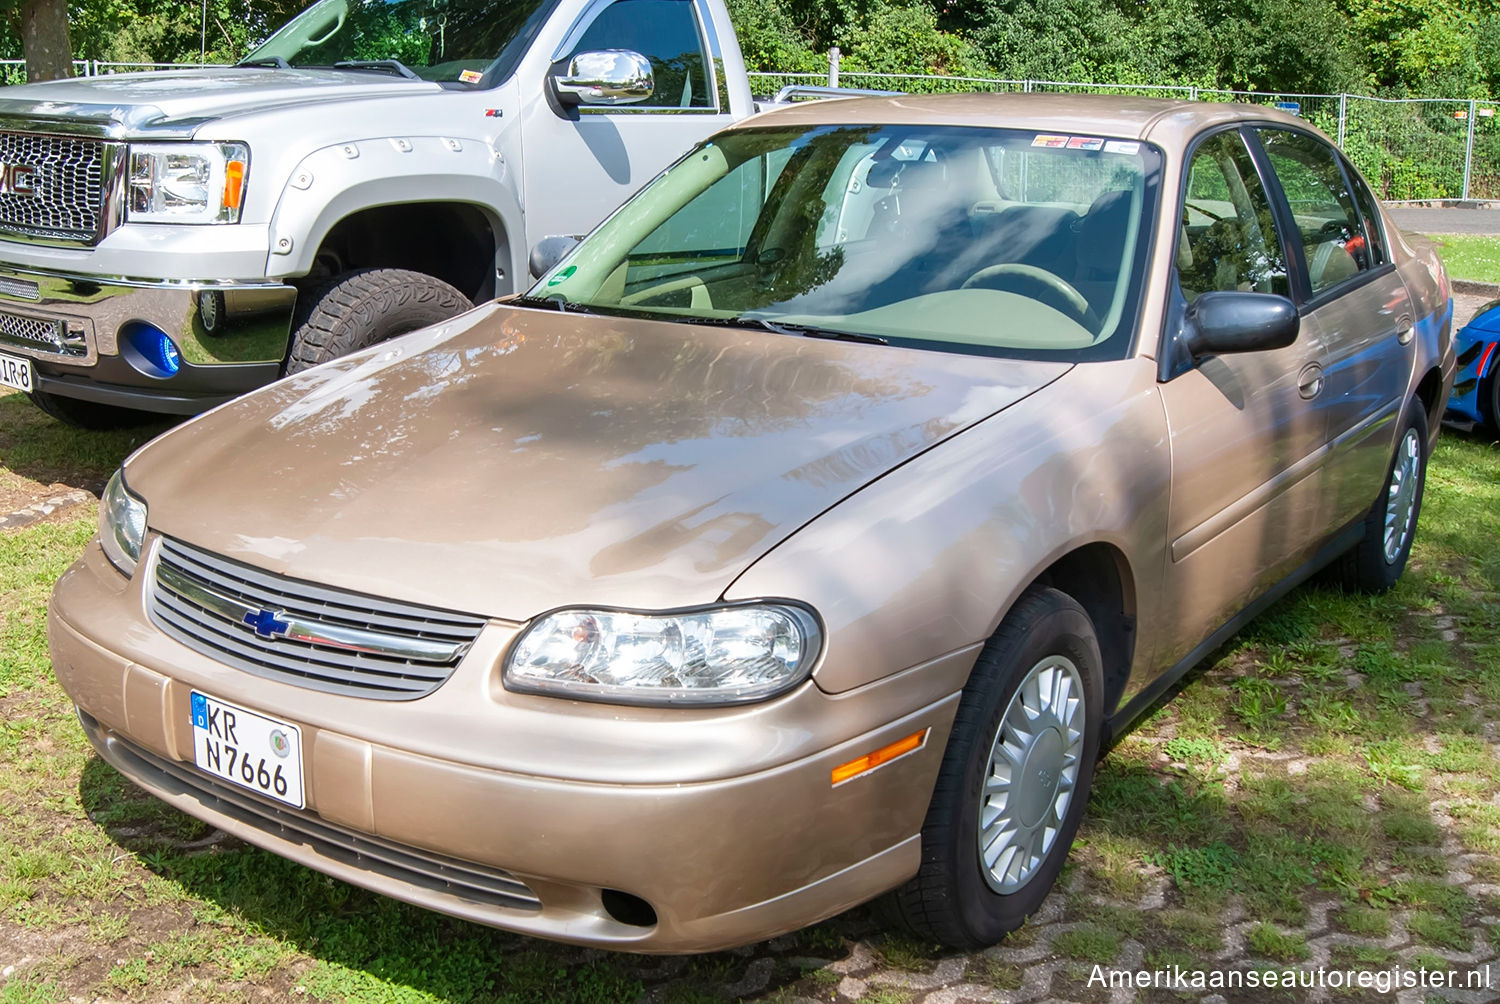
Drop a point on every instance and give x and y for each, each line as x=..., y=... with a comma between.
x=1101, y=232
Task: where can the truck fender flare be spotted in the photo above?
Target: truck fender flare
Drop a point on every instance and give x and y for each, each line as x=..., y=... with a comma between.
x=330, y=185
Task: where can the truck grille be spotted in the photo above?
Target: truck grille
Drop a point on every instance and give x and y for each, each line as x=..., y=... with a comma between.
x=62, y=195
x=474, y=883
x=304, y=634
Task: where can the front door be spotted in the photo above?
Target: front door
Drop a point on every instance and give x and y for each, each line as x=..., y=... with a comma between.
x=580, y=167
x=1246, y=503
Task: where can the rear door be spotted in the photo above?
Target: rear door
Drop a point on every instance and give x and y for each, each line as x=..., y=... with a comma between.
x=1356, y=307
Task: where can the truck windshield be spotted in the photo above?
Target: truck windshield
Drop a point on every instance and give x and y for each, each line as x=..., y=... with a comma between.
x=976, y=240
x=474, y=42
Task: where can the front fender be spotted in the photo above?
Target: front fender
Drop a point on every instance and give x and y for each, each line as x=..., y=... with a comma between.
x=337, y=181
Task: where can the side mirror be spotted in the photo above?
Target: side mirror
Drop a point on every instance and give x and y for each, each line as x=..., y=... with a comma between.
x=1222, y=322
x=548, y=252
x=606, y=77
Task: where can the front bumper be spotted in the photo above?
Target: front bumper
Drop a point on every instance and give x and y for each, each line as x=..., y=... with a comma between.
x=747, y=840
x=232, y=337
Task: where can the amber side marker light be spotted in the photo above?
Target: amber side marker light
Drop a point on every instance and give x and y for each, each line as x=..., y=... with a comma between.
x=879, y=758
x=234, y=183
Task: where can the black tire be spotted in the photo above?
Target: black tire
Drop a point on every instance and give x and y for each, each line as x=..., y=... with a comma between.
x=951, y=900
x=359, y=309
x=1489, y=401
x=1367, y=567
x=90, y=414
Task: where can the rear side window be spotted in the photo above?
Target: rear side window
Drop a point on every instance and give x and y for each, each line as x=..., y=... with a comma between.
x=1322, y=203
x=665, y=32
x=1229, y=240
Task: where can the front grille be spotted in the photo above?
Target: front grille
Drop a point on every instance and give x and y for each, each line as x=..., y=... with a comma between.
x=32, y=332
x=185, y=575
x=464, y=880
x=66, y=181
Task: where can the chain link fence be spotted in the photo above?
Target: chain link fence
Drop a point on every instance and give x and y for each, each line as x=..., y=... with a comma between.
x=1411, y=149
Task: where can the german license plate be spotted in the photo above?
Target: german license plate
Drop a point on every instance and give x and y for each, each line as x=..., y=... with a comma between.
x=15, y=372
x=248, y=749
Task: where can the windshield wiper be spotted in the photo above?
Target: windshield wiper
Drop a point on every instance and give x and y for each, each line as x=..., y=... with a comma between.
x=395, y=66
x=792, y=328
x=556, y=303
x=275, y=62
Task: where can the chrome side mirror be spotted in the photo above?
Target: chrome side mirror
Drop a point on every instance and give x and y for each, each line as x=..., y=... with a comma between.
x=606, y=77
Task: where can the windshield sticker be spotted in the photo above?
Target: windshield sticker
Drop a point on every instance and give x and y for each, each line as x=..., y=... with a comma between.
x=471, y=76
x=1085, y=143
x=1118, y=146
x=1050, y=142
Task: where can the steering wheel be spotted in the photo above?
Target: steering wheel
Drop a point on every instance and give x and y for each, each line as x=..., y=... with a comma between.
x=1028, y=280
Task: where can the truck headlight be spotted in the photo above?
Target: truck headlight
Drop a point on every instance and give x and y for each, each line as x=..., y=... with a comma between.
x=122, y=524
x=186, y=182
x=722, y=655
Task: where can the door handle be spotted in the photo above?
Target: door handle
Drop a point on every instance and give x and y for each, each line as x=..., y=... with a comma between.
x=1310, y=381
x=1404, y=329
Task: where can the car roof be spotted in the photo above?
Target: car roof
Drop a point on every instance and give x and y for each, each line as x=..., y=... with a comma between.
x=1170, y=123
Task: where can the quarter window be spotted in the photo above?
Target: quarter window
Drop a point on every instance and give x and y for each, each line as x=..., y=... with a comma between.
x=1374, y=237
x=1318, y=192
x=1229, y=239
x=665, y=32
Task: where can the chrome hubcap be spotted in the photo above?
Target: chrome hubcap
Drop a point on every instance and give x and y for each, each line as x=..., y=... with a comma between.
x=1401, y=498
x=1033, y=770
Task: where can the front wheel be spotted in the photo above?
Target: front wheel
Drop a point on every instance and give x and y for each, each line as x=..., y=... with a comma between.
x=1014, y=779
x=1376, y=562
x=1489, y=401
x=359, y=309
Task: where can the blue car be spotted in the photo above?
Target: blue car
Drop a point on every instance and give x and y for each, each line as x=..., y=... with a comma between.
x=1476, y=388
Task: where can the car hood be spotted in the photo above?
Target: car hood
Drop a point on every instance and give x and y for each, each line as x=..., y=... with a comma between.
x=173, y=101
x=515, y=460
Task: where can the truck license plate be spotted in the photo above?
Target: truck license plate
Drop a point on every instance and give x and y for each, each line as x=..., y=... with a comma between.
x=251, y=750
x=15, y=372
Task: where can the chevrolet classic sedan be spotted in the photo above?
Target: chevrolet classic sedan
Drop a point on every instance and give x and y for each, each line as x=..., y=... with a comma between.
x=802, y=537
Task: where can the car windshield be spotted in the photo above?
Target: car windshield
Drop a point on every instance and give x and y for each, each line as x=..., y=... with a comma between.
x=987, y=241
x=475, y=42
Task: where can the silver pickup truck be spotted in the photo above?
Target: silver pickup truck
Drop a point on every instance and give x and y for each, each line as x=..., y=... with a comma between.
x=171, y=240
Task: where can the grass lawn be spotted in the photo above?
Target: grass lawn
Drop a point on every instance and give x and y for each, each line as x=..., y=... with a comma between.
x=1329, y=777
x=1470, y=256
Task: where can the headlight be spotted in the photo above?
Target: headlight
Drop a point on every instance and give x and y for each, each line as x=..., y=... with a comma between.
x=122, y=524
x=186, y=182
x=725, y=655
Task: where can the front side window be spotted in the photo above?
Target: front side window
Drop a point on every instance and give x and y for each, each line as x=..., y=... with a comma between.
x=959, y=239
x=1333, y=241
x=1228, y=240
x=462, y=41
x=665, y=32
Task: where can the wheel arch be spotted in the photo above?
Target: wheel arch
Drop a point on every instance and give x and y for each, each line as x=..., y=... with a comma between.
x=372, y=190
x=1430, y=392
x=1098, y=576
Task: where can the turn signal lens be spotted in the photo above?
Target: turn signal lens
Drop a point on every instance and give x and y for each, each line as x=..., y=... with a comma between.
x=234, y=184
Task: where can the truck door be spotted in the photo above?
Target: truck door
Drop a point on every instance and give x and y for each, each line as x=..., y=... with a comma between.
x=580, y=165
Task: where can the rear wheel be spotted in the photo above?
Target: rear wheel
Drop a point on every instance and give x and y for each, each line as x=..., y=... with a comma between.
x=359, y=309
x=1014, y=779
x=89, y=414
x=1376, y=562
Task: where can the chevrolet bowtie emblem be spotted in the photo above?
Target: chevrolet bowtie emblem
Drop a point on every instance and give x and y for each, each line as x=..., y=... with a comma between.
x=267, y=623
